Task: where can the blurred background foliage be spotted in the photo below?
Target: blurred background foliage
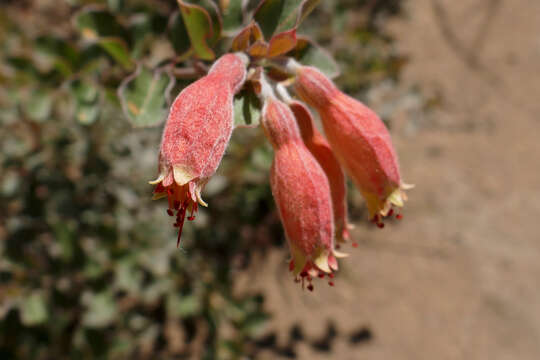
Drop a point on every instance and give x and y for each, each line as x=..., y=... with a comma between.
x=89, y=267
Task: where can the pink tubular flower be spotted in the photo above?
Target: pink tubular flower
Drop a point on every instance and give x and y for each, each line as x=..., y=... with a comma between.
x=319, y=147
x=302, y=195
x=359, y=139
x=196, y=134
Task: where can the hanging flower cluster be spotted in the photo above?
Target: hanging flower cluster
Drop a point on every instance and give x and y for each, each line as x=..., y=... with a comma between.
x=308, y=173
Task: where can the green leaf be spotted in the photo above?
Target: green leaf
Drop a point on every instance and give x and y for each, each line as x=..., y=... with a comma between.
x=182, y=306
x=178, y=35
x=101, y=310
x=143, y=97
x=118, y=50
x=84, y=91
x=34, y=310
x=254, y=323
x=215, y=15
x=39, y=105
x=140, y=30
x=231, y=12
x=64, y=237
x=24, y=66
x=87, y=114
x=276, y=16
x=87, y=101
x=308, y=53
x=115, y=5
x=247, y=109
x=199, y=28
x=93, y=24
x=64, y=54
x=128, y=277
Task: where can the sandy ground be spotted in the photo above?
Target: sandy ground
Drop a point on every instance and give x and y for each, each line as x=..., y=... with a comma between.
x=458, y=278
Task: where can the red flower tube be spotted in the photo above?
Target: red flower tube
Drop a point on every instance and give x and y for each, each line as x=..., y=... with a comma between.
x=197, y=131
x=359, y=139
x=319, y=147
x=302, y=194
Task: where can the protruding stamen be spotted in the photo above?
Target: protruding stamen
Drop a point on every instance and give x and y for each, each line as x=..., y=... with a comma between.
x=399, y=216
x=310, y=287
x=331, y=283
x=170, y=212
x=180, y=215
x=390, y=212
x=193, y=210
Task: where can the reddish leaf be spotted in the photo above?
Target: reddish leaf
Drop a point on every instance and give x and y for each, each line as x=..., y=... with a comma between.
x=258, y=49
x=247, y=36
x=282, y=43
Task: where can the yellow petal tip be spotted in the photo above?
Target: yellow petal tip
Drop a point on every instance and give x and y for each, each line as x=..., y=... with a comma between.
x=322, y=262
x=181, y=175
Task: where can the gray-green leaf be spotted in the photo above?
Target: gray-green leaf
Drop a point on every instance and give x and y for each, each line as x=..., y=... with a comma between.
x=275, y=16
x=34, y=310
x=309, y=53
x=247, y=109
x=143, y=97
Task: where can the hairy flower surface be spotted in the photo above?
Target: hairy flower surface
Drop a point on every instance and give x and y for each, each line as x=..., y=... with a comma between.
x=319, y=147
x=302, y=194
x=197, y=131
x=359, y=139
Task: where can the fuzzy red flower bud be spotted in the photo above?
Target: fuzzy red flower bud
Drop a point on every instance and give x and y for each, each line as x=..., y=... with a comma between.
x=320, y=149
x=302, y=194
x=197, y=131
x=359, y=139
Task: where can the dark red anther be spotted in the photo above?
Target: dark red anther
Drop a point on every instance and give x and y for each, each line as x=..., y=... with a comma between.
x=193, y=209
x=310, y=287
x=176, y=204
x=399, y=216
x=380, y=225
x=303, y=274
x=331, y=275
x=170, y=212
x=331, y=283
x=354, y=245
x=180, y=221
x=390, y=212
x=321, y=275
